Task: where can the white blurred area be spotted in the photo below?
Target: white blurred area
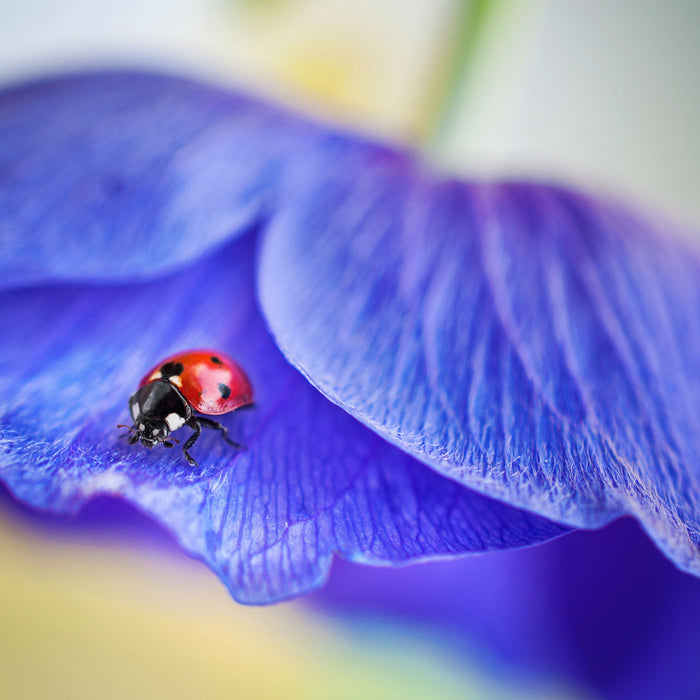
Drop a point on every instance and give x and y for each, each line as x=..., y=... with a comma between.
x=591, y=92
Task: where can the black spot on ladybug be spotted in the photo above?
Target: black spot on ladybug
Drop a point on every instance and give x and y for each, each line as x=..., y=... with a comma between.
x=225, y=390
x=216, y=360
x=171, y=369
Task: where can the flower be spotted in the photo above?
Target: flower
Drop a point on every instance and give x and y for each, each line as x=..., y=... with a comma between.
x=524, y=342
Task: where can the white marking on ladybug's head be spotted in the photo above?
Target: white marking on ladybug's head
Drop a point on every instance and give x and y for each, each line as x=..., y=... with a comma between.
x=154, y=376
x=176, y=381
x=134, y=410
x=142, y=427
x=174, y=421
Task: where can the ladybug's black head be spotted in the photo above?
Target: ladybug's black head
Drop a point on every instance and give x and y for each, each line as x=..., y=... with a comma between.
x=150, y=431
x=157, y=409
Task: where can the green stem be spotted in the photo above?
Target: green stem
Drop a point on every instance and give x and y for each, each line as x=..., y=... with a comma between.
x=470, y=19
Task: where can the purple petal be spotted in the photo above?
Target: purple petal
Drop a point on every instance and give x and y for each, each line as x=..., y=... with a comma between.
x=122, y=175
x=537, y=345
x=267, y=520
x=602, y=610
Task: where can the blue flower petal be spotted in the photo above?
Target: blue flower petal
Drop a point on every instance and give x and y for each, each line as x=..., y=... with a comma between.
x=120, y=175
x=535, y=344
x=267, y=520
x=603, y=610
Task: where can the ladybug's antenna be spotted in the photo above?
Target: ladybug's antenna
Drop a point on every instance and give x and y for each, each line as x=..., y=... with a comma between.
x=130, y=428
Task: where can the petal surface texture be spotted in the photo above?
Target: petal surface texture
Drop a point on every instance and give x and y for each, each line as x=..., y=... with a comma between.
x=538, y=345
x=122, y=175
x=313, y=480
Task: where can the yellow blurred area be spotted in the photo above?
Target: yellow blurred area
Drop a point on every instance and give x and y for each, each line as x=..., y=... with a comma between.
x=368, y=64
x=98, y=621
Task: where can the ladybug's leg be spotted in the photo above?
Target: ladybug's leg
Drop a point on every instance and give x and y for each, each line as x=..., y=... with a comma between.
x=208, y=423
x=194, y=424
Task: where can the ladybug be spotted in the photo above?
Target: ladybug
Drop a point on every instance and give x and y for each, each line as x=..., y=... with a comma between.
x=202, y=381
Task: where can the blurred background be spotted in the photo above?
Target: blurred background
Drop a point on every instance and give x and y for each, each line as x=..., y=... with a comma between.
x=597, y=94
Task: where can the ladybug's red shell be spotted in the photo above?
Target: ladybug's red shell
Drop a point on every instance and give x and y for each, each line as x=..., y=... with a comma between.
x=211, y=382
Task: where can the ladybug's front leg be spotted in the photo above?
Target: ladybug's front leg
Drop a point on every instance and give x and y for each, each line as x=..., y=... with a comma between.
x=194, y=424
x=208, y=423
